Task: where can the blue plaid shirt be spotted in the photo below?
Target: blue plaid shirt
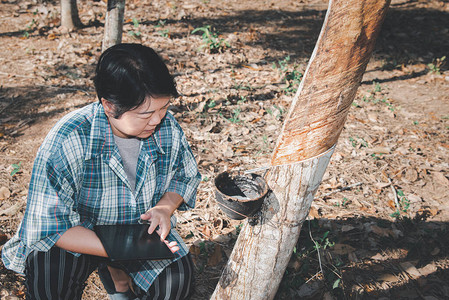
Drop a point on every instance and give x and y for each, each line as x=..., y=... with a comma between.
x=78, y=179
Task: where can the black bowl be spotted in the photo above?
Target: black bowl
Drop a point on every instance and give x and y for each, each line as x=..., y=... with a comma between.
x=240, y=196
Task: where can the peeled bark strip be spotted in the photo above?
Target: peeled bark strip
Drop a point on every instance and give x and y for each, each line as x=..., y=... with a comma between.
x=114, y=23
x=69, y=15
x=313, y=125
x=331, y=80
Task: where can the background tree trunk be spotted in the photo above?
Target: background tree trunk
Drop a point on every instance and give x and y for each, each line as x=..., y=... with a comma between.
x=69, y=15
x=114, y=23
x=311, y=130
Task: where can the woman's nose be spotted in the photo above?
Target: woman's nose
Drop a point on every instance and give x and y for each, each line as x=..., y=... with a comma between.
x=155, y=119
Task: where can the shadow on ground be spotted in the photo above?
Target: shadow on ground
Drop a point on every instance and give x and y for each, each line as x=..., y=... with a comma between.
x=361, y=258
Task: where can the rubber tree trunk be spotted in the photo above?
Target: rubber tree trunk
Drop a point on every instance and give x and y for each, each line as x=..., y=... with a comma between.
x=69, y=15
x=113, y=28
x=304, y=147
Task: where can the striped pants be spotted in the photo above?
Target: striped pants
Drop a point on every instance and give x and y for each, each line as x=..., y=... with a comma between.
x=57, y=275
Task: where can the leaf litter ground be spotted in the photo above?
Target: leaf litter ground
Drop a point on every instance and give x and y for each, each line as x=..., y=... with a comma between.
x=378, y=226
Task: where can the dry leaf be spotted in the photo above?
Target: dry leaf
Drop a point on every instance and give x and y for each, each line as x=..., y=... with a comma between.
x=206, y=231
x=352, y=257
x=222, y=238
x=4, y=193
x=411, y=175
x=12, y=210
x=380, y=150
x=346, y=228
x=381, y=231
x=435, y=251
x=428, y=269
x=440, y=178
x=410, y=269
x=342, y=249
x=433, y=211
x=313, y=212
x=391, y=204
x=195, y=250
x=294, y=263
x=215, y=257
x=388, y=278
x=381, y=185
x=378, y=256
x=3, y=238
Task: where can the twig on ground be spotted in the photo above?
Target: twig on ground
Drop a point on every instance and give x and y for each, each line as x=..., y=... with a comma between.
x=11, y=210
x=317, y=248
x=311, y=278
x=341, y=189
x=8, y=157
x=395, y=195
x=16, y=75
x=98, y=288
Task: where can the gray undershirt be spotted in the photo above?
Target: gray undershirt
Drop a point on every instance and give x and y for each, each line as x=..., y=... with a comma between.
x=129, y=151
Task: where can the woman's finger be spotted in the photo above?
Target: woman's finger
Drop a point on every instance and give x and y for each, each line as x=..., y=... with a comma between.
x=173, y=246
x=146, y=215
x=153, y=225
x=164, y=231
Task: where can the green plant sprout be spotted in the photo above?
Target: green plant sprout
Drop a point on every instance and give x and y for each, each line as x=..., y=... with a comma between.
x=242, y=100
x=404, y=204
x=162, y=32
x=283, y=64
x=376, y=157
x=343, y=204
x=388, y=104
x=291, y=78
x=135, y=33
x=30, y=27
x=211, y=103
x=202, y=246
x=16, y=168
x=377, y=87
x=336, y=283
x=323, y=242
x=436, y=64
x=265, y=140
x=235, y=117
x=238, y=228
x=211, y=40
x=281, y=111
x=358, y=141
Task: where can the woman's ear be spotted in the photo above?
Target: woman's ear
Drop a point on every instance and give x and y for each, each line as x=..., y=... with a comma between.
x=108, y=107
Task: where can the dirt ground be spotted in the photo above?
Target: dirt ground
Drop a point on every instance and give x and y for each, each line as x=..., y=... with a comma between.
x=378, y=228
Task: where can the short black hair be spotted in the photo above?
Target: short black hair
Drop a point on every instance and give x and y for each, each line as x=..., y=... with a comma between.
x=127, y=74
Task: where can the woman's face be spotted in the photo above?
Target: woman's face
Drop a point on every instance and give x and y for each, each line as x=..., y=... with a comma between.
x=140, y=122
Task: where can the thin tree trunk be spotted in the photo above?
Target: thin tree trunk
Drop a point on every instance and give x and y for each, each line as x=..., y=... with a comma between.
x=114, y=23
x=305, y=145
x=69, y=15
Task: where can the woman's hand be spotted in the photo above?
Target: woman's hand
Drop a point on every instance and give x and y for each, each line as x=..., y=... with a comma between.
x=160, y=214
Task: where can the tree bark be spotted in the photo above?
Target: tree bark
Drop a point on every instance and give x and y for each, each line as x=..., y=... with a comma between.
x=113, y=28
x=69, y=15
x=305, y=145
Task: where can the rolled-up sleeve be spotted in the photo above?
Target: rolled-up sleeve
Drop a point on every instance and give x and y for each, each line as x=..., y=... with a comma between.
x=50, y=204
